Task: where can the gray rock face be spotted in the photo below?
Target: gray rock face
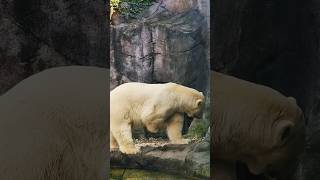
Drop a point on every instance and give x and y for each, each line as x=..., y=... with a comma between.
x=191, y=160
x=36, y=35
x=163, y=48
x=198, y=160
x=310, y=166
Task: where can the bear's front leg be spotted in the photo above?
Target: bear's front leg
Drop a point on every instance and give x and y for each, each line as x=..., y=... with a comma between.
x=123, y=136
x=174, y=129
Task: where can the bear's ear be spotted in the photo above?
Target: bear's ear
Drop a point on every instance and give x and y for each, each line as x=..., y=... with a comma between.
x=199, y=102
x=293, y=100
x=283, y=132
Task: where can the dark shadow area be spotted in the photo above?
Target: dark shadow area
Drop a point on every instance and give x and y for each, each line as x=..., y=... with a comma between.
x=274, y=43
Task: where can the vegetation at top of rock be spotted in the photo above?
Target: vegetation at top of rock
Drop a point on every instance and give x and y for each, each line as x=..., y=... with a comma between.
x=129, y=8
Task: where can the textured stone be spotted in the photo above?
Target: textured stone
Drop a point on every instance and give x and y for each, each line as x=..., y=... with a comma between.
x=198, y=160
x=36, y=35
x=191, y=159
x=161, y=49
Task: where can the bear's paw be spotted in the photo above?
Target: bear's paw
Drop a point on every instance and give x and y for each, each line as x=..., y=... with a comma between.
x=181, y=141
x=130, y=149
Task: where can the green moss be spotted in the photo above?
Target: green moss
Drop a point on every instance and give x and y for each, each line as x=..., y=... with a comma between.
x=117, y=173
x=204, y=170
x=198, y=130
x=114, y=3
x=130, y=8
x=133, y=173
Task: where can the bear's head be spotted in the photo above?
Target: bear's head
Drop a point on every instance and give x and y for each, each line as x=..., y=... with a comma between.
x=189, y=100
x=280, y=148
x=196, y=108
x=195, y=104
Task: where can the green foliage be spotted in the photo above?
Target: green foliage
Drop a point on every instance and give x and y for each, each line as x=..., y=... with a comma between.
x=203, y=170
x=131, y=8
x=114, y=3
x=198, y=130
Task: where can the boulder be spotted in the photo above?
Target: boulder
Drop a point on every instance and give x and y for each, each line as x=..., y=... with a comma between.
x=187, y=160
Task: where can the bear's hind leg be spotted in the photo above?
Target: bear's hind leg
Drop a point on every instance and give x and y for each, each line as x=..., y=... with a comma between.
x=123, y=136
x=113, y=142
x=174, y=129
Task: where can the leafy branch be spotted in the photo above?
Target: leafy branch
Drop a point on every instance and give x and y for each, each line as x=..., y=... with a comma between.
x=130, y=8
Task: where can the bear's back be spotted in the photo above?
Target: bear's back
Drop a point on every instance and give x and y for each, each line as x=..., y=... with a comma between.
x=136, y=91
x=231, y=91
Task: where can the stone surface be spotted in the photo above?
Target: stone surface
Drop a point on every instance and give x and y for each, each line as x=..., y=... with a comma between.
x=165, y=48
x=117, y=174
x=191, y=159
x=198, y=160
x=36, y=35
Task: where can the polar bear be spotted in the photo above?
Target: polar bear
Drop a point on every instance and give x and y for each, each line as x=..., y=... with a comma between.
x=254, y=124
x=156, y=106
x=54, y=125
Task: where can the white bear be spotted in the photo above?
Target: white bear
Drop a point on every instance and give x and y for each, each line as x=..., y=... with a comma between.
x=255, y=124
x=156, y=106
x=54, y=125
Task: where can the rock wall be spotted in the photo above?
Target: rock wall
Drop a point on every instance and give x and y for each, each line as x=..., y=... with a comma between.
x=275, y=43
x=36, y=35
x=165, y=48
x=204, y=8
x=310, y=165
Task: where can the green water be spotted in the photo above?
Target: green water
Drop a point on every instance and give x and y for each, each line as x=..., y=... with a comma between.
x=137, y=174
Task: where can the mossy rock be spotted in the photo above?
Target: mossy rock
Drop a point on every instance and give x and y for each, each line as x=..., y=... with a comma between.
x=203, y=170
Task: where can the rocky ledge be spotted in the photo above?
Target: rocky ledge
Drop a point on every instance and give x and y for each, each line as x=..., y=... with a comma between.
x=189, y=159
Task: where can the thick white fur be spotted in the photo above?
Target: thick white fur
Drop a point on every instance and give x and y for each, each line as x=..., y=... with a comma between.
x=156, y=106
x=53, y=125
